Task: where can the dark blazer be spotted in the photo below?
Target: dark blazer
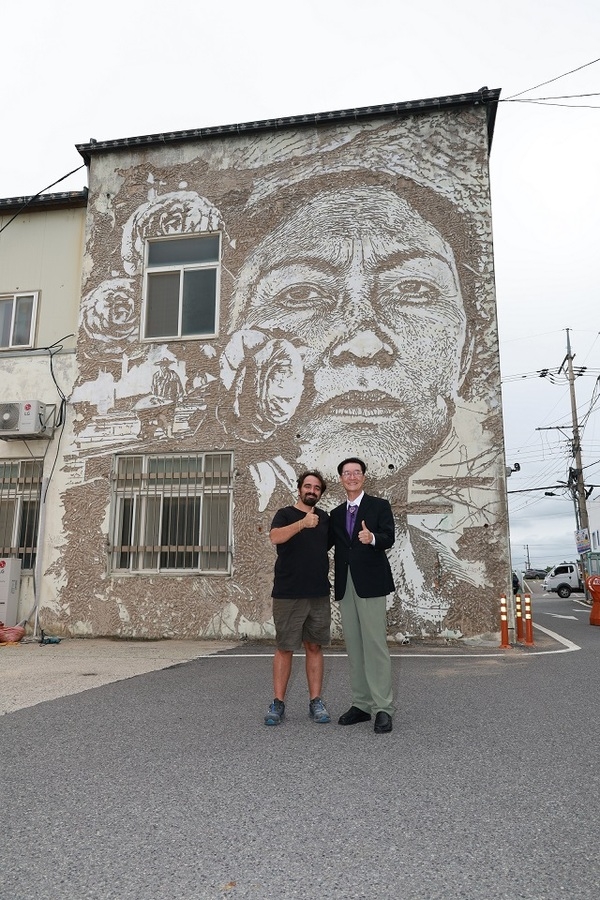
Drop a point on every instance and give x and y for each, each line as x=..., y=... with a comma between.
x=369, y=566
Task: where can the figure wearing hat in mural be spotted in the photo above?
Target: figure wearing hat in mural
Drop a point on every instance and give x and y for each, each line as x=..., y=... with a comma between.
x=160, y=407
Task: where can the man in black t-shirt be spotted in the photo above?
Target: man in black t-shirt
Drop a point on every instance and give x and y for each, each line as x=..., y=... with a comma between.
x=301, y=607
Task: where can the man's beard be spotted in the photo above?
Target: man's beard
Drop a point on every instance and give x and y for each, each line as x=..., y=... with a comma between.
x=310, y=500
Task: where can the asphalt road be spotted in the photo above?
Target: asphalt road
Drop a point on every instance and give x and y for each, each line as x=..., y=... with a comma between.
x=167, y=786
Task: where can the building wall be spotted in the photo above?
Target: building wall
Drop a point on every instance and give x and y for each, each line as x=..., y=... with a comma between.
x=357, y=317
x=41, y=251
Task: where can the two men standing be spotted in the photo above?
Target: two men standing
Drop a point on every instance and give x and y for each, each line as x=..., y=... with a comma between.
x=361, y=530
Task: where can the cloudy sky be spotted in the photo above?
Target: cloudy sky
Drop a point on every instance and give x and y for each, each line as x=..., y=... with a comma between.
x=131, y=67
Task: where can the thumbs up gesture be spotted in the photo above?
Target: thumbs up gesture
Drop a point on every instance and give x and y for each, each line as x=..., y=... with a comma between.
x=364, y=535
x=311, y=520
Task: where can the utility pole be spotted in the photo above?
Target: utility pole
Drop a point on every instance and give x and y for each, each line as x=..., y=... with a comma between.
x=575, y=483
x=526, y=548
x=576, y=474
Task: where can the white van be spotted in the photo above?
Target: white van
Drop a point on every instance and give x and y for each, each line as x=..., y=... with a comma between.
x=563, y=580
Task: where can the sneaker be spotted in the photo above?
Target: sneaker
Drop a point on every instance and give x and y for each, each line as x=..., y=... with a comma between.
x=275, y=713
x=318, y=712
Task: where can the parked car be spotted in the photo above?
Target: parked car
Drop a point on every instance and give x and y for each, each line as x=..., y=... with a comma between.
x=534, y=573
x=563, y=580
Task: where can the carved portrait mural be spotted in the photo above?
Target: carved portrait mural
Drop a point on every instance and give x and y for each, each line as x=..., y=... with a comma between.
x=352, y=313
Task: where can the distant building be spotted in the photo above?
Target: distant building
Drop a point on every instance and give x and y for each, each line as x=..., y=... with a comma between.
x=256, y=299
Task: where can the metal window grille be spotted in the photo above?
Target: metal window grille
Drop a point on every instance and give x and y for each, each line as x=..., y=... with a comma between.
x=20, y=491
x=172, y=513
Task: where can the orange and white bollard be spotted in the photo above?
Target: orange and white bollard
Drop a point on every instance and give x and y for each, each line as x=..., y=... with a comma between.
x=528, y=622
x=518, y=618
x=504, y=642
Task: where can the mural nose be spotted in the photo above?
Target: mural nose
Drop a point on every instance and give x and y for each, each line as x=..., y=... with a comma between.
x=363, y=346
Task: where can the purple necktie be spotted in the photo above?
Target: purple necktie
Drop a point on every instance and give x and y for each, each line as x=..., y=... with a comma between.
x=350, y=514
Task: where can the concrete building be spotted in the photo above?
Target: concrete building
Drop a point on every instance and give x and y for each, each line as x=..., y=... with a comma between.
x=257, y=299
x=41, y=252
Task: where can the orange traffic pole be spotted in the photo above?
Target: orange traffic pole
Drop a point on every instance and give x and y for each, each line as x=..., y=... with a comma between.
x=518, y=617
x=528, y=622
x=504, y=643
x=592, y=583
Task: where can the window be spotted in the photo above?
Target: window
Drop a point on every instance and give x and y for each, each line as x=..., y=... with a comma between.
x=182, y=287
x=172, y=513
x=20, y=488
x=17, y=320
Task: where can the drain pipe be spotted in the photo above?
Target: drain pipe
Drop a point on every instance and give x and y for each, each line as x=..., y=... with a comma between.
x=37, y=572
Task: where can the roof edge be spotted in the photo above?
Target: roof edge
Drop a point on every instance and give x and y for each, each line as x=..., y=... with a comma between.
x=45, y=201
x=484, y=95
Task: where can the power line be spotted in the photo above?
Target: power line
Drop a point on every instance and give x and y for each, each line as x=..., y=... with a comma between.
x=39, y=193
x=552, y=374
x=550, y=80
x=552, y=487
x=564, y=105
x=564, y=97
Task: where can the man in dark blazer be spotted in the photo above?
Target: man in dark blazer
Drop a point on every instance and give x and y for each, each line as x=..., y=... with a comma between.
x=361, y=529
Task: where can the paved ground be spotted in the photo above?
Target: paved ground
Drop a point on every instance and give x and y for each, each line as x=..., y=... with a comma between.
x=32, y=673
x=164, y=783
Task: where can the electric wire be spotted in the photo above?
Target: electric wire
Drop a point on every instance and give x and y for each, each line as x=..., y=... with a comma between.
x=39, y=193
x=564, y=105
x=551, y=80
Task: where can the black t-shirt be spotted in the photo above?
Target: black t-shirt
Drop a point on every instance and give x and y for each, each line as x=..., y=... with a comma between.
x=302, y=565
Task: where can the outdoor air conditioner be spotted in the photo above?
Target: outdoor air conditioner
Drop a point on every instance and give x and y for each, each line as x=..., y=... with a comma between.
x=23, y=419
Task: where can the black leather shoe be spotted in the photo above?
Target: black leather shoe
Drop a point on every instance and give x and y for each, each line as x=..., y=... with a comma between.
x=353, y=716
x=383, y=723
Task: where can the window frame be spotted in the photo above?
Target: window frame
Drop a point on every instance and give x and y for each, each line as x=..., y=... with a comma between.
x=15, y=296
x=22, y=489
x=181, y=268
x=141, y=504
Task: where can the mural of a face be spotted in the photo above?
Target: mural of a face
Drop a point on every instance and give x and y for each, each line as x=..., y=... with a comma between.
x=368, y=291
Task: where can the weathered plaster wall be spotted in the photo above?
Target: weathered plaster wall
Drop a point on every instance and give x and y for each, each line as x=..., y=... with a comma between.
x=357, y=317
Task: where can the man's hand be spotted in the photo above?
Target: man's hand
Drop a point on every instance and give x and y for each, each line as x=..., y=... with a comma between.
x=310, y=520
x=364, y=535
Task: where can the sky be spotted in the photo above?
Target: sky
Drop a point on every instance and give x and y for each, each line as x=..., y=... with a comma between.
x=132, y=67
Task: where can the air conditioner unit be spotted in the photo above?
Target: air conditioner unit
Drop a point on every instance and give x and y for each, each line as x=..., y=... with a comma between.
x=23, y=419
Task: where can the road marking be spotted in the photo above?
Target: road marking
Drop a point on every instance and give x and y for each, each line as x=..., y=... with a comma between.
x=569, y=645
x=558, y=616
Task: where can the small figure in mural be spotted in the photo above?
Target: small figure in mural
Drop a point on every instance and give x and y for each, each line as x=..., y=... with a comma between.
x=159, y=408
x=361, y=530
x=301, y=606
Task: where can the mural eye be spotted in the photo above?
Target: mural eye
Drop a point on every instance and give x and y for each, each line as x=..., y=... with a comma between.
x=303, y=296
x=413, y=290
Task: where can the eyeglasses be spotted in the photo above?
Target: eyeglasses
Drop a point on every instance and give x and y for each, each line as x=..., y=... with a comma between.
x=357, y=474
